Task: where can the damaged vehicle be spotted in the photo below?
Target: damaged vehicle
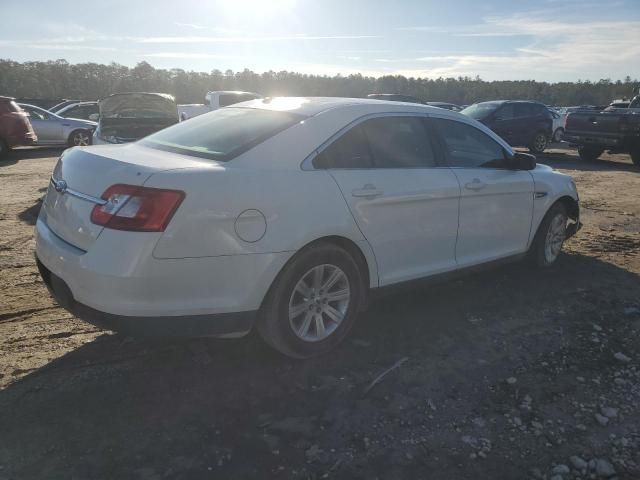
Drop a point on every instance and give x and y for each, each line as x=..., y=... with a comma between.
x=286, y=214
x=128, y=117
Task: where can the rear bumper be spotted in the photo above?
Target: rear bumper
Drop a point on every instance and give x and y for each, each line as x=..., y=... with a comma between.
x=119, y=285
x=24, y=140
x=595, y=140
x=216, y=325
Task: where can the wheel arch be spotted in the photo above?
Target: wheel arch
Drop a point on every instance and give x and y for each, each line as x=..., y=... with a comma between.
x=366, y=264
x=570, y=204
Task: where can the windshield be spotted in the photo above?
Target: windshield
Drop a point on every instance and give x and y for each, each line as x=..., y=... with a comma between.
x=222, y=134
x=481, y=110
x=138, y=105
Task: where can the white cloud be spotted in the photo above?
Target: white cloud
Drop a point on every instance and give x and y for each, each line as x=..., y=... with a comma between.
x=248, y=39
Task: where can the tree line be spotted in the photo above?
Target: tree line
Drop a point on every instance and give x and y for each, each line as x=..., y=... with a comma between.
x=59, y=79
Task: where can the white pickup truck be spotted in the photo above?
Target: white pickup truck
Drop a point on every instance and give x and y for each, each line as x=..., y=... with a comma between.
x=213, y=101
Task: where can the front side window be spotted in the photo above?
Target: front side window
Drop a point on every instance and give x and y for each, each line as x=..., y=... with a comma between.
x=525, y=110
x=469, y=147
x=222, y=134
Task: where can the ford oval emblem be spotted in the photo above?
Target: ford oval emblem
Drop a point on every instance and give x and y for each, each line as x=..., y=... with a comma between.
x=60, y=186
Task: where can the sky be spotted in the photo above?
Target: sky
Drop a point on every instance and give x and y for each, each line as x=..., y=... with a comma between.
x=545, y=40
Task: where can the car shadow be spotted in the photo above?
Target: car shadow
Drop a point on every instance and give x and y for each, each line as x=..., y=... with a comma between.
x=27, y=153
x=564, y=157
x=118, y=404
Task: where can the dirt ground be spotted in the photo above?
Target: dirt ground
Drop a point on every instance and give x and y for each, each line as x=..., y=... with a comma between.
x=510, y=374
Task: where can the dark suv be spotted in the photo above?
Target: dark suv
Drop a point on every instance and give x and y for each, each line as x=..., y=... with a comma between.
x=15, y=127
x=520, y=123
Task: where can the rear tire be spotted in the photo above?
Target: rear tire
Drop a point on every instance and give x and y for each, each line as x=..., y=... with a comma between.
x=550, y=237
x=4, y=149
x=304, y=315
x=557, y=135
x=79, y=138
x=635, y=156
x=589, y=153
x=538, y=142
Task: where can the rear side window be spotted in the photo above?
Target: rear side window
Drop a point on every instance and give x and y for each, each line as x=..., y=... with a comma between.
x=469, y=147
x=384, y=142
x=351, y=150
x=399, y=142
x=525, y=110
x=222, y=134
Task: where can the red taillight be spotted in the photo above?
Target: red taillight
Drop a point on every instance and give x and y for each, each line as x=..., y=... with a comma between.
x=138, y=209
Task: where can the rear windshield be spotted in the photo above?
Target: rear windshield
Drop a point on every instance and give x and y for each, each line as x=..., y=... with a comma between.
x=222, y=134
x=482, y=110
x=9, y=106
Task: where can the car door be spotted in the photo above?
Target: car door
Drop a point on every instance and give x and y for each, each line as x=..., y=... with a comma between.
x=504, y=123
x=402, y=199
x=45, y=125
x=496, y=202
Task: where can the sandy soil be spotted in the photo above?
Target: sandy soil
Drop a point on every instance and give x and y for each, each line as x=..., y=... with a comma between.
x=510, y=373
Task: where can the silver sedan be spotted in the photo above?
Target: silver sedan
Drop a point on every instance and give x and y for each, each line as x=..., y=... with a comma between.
x=52, y=129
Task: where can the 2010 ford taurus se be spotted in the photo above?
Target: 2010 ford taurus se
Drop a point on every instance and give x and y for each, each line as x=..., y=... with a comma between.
x=284, y=214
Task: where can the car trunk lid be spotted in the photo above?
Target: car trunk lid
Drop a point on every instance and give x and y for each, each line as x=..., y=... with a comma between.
x=81, y=176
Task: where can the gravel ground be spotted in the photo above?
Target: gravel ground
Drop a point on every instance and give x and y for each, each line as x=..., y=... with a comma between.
x=507, y=374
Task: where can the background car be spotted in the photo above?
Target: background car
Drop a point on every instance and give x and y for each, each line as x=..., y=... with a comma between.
x=558, y=125
x=394, y=97
x=127, y=117
x=15, y=128
x=226, y=222
x=224, y=98
x=58, y=106
x=448, y=106
x=521, y=123
x=81, y=110
x=52, y=129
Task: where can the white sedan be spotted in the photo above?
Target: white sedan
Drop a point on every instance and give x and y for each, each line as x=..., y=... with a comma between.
x=285, y=214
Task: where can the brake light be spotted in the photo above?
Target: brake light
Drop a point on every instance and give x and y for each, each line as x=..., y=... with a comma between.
x=137, y=209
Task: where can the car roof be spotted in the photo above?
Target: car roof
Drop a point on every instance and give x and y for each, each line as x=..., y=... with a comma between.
x=310, y=106
x=239, y=92
x=164, y=95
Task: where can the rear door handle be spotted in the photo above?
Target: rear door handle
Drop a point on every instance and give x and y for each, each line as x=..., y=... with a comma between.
x=476, y=184
x=368, y=191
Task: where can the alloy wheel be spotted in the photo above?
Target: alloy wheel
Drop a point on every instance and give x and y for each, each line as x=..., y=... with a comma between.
x=81, y=139
x=319, y=302
x=540, y=142
x=555, y=237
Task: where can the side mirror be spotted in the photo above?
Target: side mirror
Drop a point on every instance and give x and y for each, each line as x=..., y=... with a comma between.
x=94, y=117
x=523, y=161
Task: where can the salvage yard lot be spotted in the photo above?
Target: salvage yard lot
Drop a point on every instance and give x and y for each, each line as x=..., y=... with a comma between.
x=510, y=373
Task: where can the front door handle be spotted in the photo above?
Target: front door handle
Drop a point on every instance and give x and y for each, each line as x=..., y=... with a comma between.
x=368, y=191
x=476, y=184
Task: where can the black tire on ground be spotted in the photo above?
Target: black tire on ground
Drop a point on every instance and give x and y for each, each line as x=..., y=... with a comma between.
x=537, y=252
x=538, y=142
x=635, y=156
x=4, y=149
x=589, y=153
x=79, y=137
x=274, y=325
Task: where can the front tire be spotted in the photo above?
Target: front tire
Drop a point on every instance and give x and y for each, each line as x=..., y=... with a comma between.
x=4, y=149
x=79, y=138
x=538, y=142
x=589, y=153
x=550, y=237
x=313, y=303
